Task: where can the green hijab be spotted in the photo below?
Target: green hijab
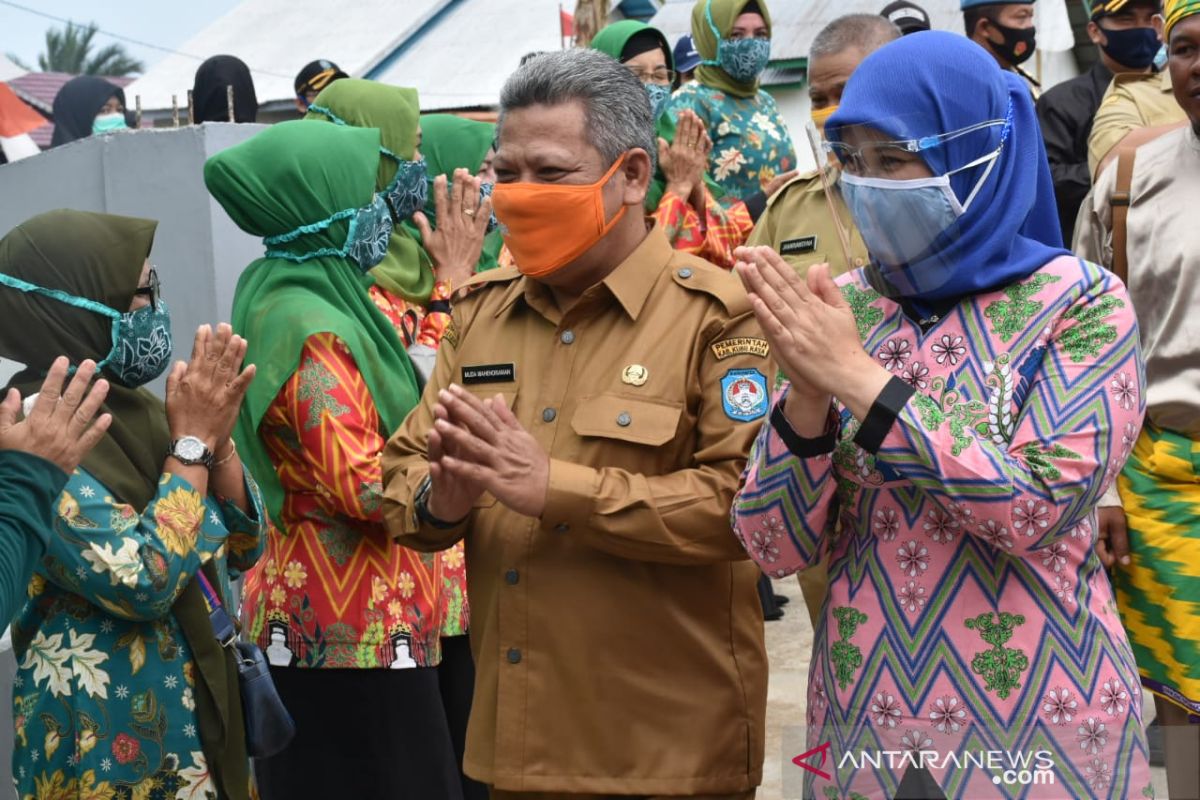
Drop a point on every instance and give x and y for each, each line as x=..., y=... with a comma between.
x=99, y=257
x=394, y=110
x=293, y=174
x=450, y=142
x=723, y=14
x=611, y=41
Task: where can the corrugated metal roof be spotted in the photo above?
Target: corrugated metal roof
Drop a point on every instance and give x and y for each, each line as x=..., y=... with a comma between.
x=462, y=60
x=277, y=37
x=795, y=22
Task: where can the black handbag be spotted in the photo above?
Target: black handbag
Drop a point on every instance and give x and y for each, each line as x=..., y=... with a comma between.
x=269, y=726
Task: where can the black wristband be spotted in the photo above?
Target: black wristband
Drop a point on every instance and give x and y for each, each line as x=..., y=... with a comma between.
x=438, y=306
x=421, y=507
x=883, y=413
x=801, y=446
x=756, y=204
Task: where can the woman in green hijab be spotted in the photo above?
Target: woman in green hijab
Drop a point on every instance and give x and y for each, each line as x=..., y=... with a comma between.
x=349, y=621
x=681, y=190
x=412, y=281
x=122, y=687
x=751, y=144
x=453, y=145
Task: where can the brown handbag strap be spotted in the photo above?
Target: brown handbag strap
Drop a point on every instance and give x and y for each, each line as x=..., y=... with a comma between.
x=1120, y=201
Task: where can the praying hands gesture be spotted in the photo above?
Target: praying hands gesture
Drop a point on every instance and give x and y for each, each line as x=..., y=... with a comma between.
x=62, y=427
x=685, y=160
x=462, y=220
x=476, y=446
x=813, y=337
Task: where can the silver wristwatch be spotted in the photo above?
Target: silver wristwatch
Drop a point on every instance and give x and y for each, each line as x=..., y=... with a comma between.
x=192, y=452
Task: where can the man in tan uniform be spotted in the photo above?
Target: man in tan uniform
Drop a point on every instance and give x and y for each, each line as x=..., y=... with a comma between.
x=1133, y=101
x=799, y=221
x=584, y=432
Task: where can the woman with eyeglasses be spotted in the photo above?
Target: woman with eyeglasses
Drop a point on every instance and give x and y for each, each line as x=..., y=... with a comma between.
x=694, y=211
x=953, y=415
x=350, y=622
x=750, y=143
x=122, y=688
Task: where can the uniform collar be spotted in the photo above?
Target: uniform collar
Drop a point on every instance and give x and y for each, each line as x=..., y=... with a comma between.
x=630, y=283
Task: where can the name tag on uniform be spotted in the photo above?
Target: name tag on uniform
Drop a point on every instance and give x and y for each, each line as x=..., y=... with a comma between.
x=489, y=373
x=798, y=247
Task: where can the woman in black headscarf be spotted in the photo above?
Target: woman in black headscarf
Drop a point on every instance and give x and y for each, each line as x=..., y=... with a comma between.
x=87, y=105
x=210, y=92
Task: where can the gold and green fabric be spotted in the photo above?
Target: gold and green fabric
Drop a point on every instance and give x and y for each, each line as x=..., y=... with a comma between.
x=1159, y=593
x=1176, y=10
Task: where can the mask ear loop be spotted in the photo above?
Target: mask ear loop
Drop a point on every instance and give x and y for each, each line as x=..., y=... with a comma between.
x=71, y=300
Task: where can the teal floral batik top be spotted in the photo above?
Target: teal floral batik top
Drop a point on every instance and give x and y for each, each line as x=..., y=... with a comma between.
x=103, y=699
x=751, y=143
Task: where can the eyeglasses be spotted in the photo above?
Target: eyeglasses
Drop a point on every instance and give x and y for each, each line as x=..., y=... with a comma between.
x=661, y=76
x=151, y=290
x=873, y=157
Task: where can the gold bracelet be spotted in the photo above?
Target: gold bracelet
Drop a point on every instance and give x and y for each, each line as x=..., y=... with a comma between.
x=228, y=458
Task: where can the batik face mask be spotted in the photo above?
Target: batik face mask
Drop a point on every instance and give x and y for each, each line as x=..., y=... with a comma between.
x=366, y=241
x=141, y=339
x=743, y=59
x=409, y=189
x=658, y=96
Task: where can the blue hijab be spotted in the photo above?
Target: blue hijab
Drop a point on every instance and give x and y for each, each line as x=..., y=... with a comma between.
x=935, y=82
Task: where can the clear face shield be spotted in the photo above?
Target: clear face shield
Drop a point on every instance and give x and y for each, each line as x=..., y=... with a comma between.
x=910, y=217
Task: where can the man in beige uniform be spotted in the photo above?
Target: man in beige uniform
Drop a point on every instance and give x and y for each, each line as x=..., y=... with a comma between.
x=584, y=431
x=1133, y=101
x=799, y=221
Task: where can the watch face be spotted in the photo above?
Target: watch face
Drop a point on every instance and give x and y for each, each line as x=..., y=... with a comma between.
x=190, y=448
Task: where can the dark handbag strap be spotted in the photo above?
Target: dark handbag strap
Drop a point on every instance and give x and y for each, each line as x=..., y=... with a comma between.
x=1120, y=202
x=222, y=623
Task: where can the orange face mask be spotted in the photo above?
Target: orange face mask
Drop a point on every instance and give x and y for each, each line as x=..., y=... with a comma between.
x=547, y=226
x=821, y=115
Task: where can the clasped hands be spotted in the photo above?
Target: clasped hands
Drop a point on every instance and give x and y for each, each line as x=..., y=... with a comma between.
x=813, y=336
x=477, y=445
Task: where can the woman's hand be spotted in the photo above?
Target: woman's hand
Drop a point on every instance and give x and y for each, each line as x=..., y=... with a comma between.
x=455, y=246
x=811, y=328
x=62, y=427
x=685, y=160
x=204, y=395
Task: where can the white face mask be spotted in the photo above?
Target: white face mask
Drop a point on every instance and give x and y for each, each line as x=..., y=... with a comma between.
x=103, y=123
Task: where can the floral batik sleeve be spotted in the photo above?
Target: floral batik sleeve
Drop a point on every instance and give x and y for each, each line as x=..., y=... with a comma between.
x=1019, y=482
x=785, y=506
x=336, y=444
x=135, y=565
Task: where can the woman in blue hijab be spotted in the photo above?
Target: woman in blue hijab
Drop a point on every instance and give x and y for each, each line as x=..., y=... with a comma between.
x=952, y=415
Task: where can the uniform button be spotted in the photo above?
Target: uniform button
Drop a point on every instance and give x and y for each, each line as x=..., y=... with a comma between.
x=511, y=577
x=685, y=273
x=514, y=655
x=567, y=337
x=562, y=527
x=549, y=414
x=624, y=419
x=858, y=262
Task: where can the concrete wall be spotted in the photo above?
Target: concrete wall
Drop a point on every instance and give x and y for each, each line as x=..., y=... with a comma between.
x=198, y=251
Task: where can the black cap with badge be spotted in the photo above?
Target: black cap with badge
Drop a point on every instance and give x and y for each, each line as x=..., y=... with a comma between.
x=316, y=75
x=908, y=17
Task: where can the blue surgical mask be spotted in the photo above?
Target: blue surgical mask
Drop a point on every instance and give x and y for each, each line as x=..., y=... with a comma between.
x=106, y=123
x=658, y=96
x=1132, y=47
x=743, y=59
x=366, y=240
x=409, y=189
x=902, y=221
x=141, y=339
x=1160, y=58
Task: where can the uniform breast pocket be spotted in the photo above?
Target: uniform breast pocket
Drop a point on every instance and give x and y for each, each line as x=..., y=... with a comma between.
x=619, y=418
x=805, y=261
